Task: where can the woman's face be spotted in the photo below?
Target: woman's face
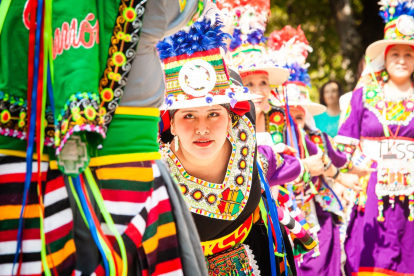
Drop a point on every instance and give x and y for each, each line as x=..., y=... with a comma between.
x=259, y=84
x=399, y=63
x=331, y=94
x=202, y=131
x=298, y=115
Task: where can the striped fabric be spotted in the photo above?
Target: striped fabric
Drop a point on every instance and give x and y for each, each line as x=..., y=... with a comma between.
x=137, y=199
x=58, y=220
x=58, y=225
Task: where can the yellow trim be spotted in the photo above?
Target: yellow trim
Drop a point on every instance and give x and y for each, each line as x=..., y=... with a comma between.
x=59, y=256
x=13, y=211
x=229, y=239
x=163, y=231
x=116, y=159
x=19, y=153
x=138, y=111
x=126, y=173
x=123, y=158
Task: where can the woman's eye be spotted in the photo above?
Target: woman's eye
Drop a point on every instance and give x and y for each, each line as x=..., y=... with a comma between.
x=214, y=114
x=189, y=116
x=263, y=83
x=249, y=84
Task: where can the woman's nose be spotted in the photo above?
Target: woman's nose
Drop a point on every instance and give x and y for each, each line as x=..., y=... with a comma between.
x=202, y=127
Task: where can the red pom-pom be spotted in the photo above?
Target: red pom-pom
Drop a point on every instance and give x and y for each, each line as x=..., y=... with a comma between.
x=259, y=5
x=241, y=108
x=278, y=38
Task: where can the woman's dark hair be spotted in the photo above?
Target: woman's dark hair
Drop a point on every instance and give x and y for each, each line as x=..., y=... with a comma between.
x=321, y=91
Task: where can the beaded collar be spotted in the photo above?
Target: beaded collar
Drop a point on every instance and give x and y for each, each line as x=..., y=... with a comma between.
x=221, y=200
x=399, y=112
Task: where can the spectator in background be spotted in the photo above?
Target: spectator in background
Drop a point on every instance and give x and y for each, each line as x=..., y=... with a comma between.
x=329, y=96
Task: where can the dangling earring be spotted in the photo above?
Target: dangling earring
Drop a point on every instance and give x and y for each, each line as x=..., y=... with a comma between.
x=384, y=76
x=176, y=144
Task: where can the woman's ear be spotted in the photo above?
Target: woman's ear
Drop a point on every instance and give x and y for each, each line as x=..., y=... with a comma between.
x=229, y=125
x=172, y=127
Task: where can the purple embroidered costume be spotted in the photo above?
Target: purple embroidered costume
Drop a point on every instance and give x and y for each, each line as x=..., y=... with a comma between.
x=328, y=260
x=380, y=239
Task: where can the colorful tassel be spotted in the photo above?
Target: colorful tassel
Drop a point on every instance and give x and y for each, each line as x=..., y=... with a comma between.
x=411, y=207
x=392, y=201
x=380, y=217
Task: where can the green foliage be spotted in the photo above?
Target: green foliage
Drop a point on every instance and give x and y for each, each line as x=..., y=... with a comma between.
x=318, y=23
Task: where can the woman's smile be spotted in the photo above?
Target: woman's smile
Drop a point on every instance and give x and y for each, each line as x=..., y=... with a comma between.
x=203, y=143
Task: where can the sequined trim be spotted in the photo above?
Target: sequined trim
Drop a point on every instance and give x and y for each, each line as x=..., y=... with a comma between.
x=81, y=113
x=13, y=119
x=348, y=146
x=124, y=43
x=226, y=200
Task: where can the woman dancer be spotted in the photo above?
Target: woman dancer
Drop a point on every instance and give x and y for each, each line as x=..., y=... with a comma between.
x=316, y=200
x=213, y=154
x=381, y=227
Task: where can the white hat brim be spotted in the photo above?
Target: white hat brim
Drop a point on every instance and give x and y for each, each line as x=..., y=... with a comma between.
x=218, y=99
x=313, y=108
x=378, y=47
x=277, y=76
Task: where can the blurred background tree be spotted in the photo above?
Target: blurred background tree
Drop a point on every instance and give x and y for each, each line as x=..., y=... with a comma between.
x=338, y=30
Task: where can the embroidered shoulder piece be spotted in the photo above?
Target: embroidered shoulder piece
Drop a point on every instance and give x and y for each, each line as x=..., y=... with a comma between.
x=226, y=200
x=265, y=162
x=275, y=121
x=399, y=112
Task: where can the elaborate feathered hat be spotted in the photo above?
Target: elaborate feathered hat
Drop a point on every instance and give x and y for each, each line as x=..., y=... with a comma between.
x=248, y=42
x=195, y=72
x=289, y=48
x=399, y=28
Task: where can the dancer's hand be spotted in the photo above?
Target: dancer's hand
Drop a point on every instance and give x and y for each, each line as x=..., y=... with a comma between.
x=362, y=171
x=340, y=192
x=314, y=164
x=350, y=181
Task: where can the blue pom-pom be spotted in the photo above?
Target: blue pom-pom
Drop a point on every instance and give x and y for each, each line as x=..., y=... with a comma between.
x=298, y=73
x=231, y=95
x=245, y=89
x=402, y=8
x=254, y=37
x=209, y=99
x=200, y=37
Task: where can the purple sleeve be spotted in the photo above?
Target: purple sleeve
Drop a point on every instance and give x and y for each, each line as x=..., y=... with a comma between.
x=337, y=157
x=311, y=146
x=351, y=128
x=278, y=172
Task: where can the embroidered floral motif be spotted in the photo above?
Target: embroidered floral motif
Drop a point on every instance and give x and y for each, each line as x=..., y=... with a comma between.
x=236, y=261
x=399, y=112
x=122, y=52
x=82, y=112
x=13, y=119
x=228, y=199
x=275, y=121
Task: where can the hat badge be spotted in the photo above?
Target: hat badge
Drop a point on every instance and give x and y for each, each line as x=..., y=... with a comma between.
x=197, y=77
x=405, y=25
